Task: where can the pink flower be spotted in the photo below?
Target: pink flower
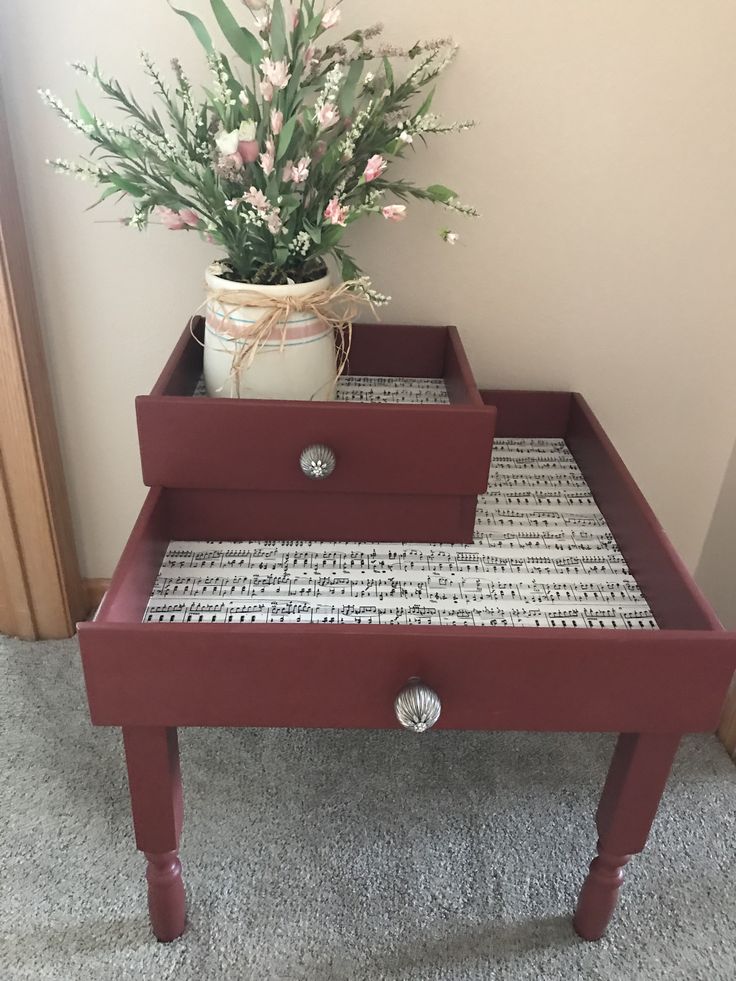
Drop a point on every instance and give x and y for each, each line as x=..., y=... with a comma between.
x=374, y=168
x=330, y=18
x=335, y=213
x=297, y=172
x=234, y=160
x=249, y=150
x=274, y=223
x=277, y=121
x=309, y=55
x=257, y=198
x=263, y=21
x=327, y=115
x=394, y=212
x=276, y=72
x=268, y=158
x=189, y=217
x=175, y=221
x=320, y=149
x=266, y=91
x=172, y=219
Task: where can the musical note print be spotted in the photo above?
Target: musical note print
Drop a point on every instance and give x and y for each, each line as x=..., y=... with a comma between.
x=370, y=388
x=542, y=556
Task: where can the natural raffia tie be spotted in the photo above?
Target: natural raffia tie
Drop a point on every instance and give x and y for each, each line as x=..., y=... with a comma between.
x=336, y=308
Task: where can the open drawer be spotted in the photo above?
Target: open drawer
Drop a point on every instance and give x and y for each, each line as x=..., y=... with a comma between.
x=407, y=443
x=622, y=639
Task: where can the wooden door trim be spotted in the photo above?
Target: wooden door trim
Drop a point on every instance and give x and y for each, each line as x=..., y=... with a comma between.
x=40, y=568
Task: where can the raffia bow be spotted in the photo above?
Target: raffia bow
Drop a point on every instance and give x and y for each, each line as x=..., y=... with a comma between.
x=336, y=308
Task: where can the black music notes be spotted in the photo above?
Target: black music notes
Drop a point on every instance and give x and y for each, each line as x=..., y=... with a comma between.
x=543, y=556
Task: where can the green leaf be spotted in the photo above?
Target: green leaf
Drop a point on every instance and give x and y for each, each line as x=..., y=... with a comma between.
x=427, y=104
x=108, y=192
x=331, y=235
x=293, y=87
x=198, y=27
x=278, y=32
x=438, y=192
x=314, y=231
x=84, y=114
x=346, y=99
x=389, y=74
x=243, y=43
x=349, y=269
x=313, y=26
x=285, y=137
x=127, y=186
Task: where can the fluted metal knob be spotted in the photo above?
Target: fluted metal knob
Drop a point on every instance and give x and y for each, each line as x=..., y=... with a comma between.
x=417, y=707
x=317, y=462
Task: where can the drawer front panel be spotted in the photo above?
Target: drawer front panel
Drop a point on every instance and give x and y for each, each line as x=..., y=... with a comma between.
x=340, y=677
x=214, y=515
x=213, y=443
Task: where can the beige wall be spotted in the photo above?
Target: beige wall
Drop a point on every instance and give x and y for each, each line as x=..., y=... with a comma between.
x=716, y=571
x=605, y=168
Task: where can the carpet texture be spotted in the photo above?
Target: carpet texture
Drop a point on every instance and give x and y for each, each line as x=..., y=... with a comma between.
x=343, y=856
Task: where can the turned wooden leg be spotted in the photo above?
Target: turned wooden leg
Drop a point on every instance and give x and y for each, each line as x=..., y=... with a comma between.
x=152, y=756
x=636, y=779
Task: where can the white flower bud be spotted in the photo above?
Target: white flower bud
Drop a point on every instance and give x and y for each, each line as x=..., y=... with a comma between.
x=247, y=132
x=227, y=143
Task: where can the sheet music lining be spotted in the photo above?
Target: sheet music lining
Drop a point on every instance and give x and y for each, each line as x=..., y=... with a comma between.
x=381, y=389
x=543, y=556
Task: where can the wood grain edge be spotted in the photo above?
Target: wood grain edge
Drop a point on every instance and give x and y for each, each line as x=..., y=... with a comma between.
x=34, y=483
x=94, y=592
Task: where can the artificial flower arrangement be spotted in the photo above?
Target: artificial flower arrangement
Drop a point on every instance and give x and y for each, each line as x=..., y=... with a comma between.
x=288, y=146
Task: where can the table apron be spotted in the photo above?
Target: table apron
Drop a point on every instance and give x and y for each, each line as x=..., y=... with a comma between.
x=563, y=680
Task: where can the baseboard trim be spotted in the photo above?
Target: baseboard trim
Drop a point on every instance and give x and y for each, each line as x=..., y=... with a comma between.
x=94, y=590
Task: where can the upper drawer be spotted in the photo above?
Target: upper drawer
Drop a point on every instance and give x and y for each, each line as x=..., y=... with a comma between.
x=429, y=449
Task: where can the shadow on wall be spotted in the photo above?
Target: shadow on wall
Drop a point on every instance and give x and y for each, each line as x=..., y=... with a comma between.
x=716, y=572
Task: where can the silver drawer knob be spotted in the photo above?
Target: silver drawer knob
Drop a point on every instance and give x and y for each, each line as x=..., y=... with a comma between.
x=417, y=707
x=317, y=462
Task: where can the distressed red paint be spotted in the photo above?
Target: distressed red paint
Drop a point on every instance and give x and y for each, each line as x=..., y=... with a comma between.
x=649, y=686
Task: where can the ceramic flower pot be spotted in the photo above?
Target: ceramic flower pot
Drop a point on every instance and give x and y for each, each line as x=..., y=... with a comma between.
x=296, y=360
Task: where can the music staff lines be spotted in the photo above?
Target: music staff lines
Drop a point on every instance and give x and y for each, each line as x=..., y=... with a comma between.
x=543, y=556
x=379, y=389
x=448, y=589
x=604, y=617
x=412, y=563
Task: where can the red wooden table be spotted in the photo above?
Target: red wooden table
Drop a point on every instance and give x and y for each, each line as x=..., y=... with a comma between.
x=651, y=686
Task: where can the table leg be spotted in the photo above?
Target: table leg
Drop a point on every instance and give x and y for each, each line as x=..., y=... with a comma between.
x=152, y=756
x=636, y=779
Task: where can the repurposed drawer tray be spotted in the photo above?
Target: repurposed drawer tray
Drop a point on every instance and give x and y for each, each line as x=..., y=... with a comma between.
x=410, y=440
x=569, y=611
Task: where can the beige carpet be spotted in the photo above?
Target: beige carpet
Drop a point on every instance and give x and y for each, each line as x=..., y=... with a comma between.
x=318, y=856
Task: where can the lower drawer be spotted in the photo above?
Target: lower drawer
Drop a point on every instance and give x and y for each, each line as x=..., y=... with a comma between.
x=348, y=674
x=348, y=677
